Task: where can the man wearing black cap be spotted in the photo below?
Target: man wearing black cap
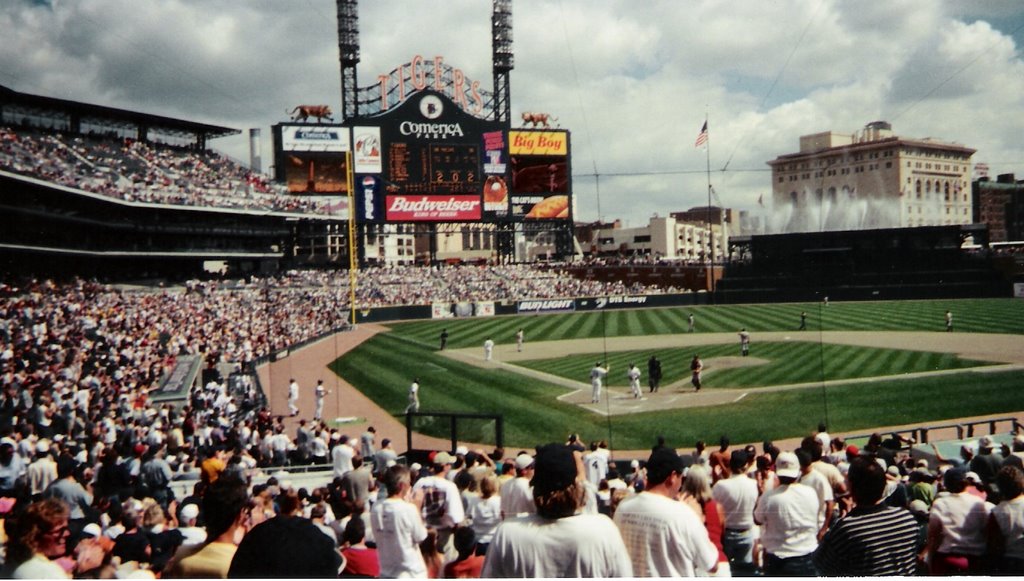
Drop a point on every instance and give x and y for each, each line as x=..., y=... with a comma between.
x=664, y=537
x=557, y=541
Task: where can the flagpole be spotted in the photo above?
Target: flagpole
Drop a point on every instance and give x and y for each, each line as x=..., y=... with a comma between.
x=711, y=246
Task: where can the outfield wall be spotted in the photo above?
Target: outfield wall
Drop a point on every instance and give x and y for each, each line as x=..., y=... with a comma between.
x=467, y=310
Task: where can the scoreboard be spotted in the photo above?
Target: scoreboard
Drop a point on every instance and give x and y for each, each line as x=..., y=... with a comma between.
x=428, y=160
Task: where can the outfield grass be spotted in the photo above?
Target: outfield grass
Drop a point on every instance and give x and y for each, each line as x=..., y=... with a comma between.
x=970, y=315
x=787, y=362
x=383, y=367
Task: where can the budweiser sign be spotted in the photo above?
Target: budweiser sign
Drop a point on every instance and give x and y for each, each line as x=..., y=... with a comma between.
x=413, y=208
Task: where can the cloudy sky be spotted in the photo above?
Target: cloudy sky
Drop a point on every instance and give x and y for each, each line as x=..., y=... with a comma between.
x=632, y=80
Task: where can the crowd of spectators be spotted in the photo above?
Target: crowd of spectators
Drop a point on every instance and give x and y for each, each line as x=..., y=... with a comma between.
x=137, y=171
x=89, y=464
x=559, y=510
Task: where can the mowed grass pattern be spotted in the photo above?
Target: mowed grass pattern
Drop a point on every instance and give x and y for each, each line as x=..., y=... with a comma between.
x=383, y=368
x=969, y=315
x=787, y=363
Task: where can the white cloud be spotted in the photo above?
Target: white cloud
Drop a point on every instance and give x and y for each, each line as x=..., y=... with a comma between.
x=632, y=80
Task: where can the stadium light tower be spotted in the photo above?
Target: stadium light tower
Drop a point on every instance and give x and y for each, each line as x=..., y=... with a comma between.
x=501, y=45
x=348, y=48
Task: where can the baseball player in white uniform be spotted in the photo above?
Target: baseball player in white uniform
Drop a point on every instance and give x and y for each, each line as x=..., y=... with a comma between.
x=320, y=393
x=596, y=376
x=634, y=380
x=414, y=396
x=488, y=349
x=293, y=398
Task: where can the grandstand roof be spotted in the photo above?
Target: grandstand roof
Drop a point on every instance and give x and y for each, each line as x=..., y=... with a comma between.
x=11, y=101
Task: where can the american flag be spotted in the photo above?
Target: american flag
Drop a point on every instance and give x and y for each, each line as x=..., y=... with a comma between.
x=702, y=138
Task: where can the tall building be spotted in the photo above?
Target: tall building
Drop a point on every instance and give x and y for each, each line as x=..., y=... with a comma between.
x=870, y=179
x=1000, y=206
x=693, y=236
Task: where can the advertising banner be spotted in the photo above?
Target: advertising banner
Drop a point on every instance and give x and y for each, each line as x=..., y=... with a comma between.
x=309, y=172
x=540, y=207
x=483, y=309
x=366, y=155
x=441, y=311
x=1018, y=290
x=538, y=143
x=314, y=138
x=547, y=306
x=423, y=208
x=369, y=200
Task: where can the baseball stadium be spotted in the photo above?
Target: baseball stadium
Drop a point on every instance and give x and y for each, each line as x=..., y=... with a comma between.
x=408, y=296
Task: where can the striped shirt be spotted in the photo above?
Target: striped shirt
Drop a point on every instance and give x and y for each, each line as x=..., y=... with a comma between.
x=872, y=540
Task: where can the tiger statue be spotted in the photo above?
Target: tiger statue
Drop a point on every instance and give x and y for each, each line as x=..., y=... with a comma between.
x=538, y=119
x=304, y=112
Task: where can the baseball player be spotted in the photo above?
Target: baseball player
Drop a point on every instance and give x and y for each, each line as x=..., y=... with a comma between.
x=596, y=375
x=744, y=342
x=293, y=397
x=696, y=366
x=520, y=337
x=319, y=393
x=414, y=396
x=634, y=380
x=488, y=349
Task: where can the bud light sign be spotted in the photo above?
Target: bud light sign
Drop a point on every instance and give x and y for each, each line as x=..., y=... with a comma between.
x=368, y=200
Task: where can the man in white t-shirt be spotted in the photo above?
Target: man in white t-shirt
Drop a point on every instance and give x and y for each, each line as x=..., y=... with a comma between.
x=816, y=480
x=788, y=515
x=342, y=455
x=557, y=541
x=737, y=495
x=664, y=537
x=442, y=503
x=398, y=528
x=516, y=493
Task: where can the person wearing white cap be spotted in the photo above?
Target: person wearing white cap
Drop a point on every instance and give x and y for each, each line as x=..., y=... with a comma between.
x=517, y=494
x=442, y=502
x=987, y=462
x=192, y=534
x=788, y=515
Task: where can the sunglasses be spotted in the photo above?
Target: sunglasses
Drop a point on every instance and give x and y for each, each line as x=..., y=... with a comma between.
x=59, y=531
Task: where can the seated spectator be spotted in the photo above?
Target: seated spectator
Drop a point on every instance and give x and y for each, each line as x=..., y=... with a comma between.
x=36, y=539
x=360, y=560
x=468, y=564
x=956, y=528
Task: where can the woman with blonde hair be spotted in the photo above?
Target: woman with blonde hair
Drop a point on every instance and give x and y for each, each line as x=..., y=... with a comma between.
x=696, y=492
x=486, y=514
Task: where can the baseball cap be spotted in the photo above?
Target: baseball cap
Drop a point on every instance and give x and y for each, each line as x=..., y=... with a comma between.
x=972, y=477
x=42, y=446
x=555, y=469
x=461, y=451
x=852, y=450
x=985, y=442
x=444, y=458
x=524, y=461
x=787, y=465
x=92, y=529
x=190, y=511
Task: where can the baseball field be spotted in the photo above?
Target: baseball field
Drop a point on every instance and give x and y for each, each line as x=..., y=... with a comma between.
x=856, y=366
